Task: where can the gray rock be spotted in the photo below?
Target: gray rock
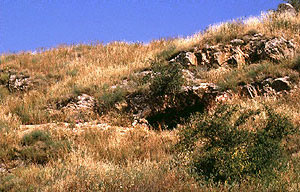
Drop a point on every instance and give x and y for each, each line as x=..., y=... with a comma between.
x=237, y=42
x=186, y=59
x=19, y=82
x=249, y=90
x=286, y=8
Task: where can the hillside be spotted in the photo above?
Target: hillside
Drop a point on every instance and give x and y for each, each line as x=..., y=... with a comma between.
x=216, y=111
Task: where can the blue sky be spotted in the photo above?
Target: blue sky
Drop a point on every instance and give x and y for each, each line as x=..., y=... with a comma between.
x=30, y=24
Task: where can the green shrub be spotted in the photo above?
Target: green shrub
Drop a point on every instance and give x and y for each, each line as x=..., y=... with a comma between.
x=110, y=97
x=31, y=112
x=4, y=77
x=35, y=136
x=39, y=147
x=167, y=80
x=230, y=153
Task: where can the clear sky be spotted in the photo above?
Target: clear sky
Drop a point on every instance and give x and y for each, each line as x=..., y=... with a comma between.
x=30, y=24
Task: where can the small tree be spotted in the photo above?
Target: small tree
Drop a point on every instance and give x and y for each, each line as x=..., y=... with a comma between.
x=218, y=146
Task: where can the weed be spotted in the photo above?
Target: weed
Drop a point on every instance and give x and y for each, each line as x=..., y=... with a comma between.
x=167, y=53
x=258, y=73
x=31, y=113
x=167, y=80
x=109, y=98
x=4, y=77
x=252, y=32
x=39, y=147
x=229, y=153
x=4, y=125
x=72, y=72
x=3, y=93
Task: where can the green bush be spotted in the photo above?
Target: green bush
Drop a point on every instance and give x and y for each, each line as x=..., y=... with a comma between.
x=32, y=112
x=167, y=80
x=39, y=147
x=110, y=97
x=229, y=153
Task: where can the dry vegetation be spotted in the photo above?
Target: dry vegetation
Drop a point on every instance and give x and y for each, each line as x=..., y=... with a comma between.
x=99, y=156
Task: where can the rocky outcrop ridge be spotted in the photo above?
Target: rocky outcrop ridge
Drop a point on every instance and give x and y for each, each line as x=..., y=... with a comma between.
x=247, y=49
x=269, y=86
x=196, y=95
x=16, y=81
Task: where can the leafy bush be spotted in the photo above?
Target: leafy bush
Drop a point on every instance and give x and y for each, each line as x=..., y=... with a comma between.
x=218, y=149
x=167, y=79
x=39, y=147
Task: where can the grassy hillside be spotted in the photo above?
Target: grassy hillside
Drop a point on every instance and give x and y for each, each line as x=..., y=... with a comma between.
x=45, y=148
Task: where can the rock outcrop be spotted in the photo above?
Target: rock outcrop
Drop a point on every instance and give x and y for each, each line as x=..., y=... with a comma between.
x=76, y=107
x=195, y=95
x=247, y=49
x=269, y=86
x=16, y=81
x=19, y=82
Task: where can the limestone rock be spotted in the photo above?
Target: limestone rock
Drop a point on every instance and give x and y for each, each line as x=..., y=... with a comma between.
x=186, y=59
x=278, y=48
x=19, y=82
x=82, y=102
x=248, y=49
x=237, y=42
x=286, y=8
x=267, y=87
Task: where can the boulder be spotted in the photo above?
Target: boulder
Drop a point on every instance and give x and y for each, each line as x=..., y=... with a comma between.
x=81, y=102
x=237, y=42
x=281, y=84
x=278, y=48
x=249, y=90
x=77, y=109
x=186, y=59
x=267, y=87
x=19, y=82
x=286, y=8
